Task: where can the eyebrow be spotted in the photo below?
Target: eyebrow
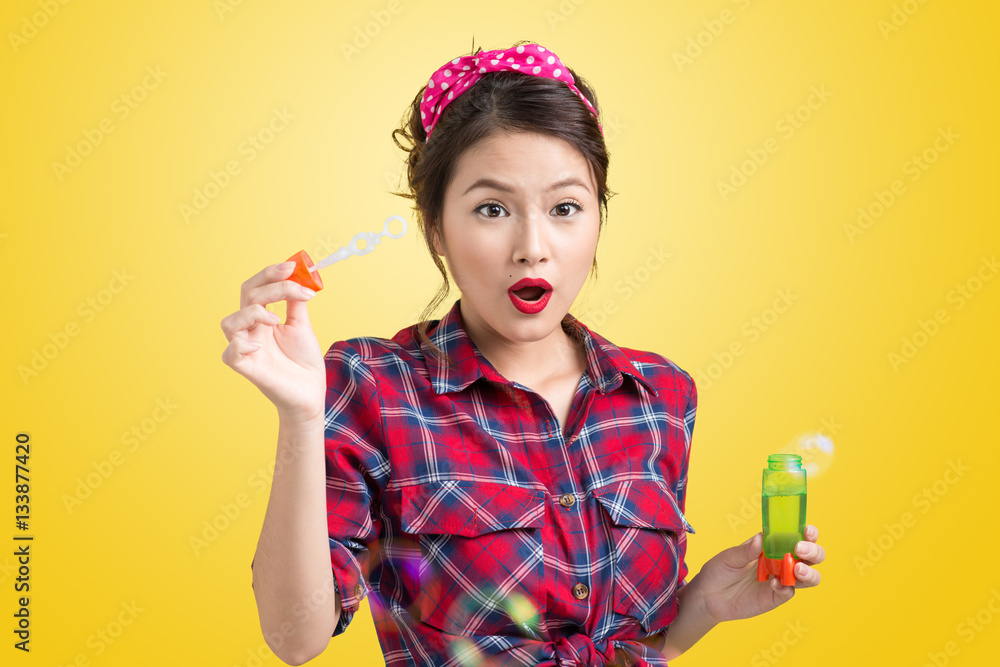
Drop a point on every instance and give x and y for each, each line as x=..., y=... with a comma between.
x=486, y=182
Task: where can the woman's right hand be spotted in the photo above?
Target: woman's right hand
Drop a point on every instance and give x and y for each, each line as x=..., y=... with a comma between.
x=284, y=361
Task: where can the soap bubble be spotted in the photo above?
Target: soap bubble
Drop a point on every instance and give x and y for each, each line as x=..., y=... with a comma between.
x=816, y=450
x=523, y=612
x=484, y=605
x=465, y=652
x=473, y=612
x=472, y=607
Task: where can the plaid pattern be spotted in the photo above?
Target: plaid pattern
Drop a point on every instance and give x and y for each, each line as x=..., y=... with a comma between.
x=449, y=496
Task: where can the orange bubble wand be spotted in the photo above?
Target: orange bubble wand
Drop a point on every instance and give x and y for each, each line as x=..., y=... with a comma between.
x=306, y=273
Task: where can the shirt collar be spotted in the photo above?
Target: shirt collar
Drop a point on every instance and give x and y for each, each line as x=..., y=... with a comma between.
x=606, y=362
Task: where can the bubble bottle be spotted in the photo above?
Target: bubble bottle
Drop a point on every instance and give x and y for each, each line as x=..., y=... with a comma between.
x=783, y=505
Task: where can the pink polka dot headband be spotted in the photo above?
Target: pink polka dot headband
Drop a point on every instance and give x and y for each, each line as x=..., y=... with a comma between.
x=454, y=77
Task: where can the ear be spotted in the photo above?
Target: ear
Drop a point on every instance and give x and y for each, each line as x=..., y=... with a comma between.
x=436, y=241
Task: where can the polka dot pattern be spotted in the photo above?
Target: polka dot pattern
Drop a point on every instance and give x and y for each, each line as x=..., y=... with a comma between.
x=454, y=77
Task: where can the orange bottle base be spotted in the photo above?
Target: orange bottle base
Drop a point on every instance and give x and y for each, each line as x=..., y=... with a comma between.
x=782, y=568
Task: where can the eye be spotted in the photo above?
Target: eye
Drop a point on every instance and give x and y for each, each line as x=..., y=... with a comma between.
x=562, y=206
x=491, y=206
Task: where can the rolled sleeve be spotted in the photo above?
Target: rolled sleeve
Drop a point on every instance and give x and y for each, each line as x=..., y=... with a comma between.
x=357, y=470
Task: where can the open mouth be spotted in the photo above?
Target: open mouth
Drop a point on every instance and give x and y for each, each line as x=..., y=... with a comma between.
x=530, y=299
x=530, y=293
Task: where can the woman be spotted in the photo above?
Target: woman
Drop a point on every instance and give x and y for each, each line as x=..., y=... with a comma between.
x=503, y=484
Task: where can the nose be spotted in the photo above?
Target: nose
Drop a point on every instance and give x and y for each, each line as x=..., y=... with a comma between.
x=531, y=243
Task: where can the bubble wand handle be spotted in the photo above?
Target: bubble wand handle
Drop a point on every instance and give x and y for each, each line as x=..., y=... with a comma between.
x=371, y=240
x=306, y=273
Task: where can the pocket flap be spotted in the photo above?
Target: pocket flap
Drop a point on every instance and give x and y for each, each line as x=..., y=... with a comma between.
x=642, y=503
x=469, y=508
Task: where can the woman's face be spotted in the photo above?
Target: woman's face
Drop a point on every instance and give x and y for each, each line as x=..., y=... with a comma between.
x=521, y=205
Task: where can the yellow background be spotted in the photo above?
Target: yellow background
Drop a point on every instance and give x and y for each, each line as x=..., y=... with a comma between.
x=891, y=594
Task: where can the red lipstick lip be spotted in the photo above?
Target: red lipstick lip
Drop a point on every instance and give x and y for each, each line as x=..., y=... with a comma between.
x=530, y=307
x=531, y=282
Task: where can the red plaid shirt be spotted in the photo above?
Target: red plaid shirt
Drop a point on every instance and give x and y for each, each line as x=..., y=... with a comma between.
x=477, y=529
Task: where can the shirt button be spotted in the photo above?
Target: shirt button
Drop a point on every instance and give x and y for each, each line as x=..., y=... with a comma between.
x=359, y=590
x=580, y=591
x=567, y=499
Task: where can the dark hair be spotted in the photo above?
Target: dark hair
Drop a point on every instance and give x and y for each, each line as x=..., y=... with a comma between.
x=499, y=102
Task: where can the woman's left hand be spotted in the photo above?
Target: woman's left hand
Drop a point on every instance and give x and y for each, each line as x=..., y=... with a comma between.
x=728, y=581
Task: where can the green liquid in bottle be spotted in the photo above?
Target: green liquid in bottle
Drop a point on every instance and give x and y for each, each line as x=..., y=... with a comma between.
x=784, y=524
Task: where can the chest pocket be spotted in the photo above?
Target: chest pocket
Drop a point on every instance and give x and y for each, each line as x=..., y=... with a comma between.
x=646, y=526
x=481, y=563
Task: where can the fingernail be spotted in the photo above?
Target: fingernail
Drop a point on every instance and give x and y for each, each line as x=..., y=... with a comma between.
x=287, y=265
x=307, y=293
x=802, y=549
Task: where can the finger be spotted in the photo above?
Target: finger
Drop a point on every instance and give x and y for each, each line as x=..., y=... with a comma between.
x=297, y=312
x=267, y=275
x=782, y=592
x=237, y=349
x=740, y=555
x=806, y=576
x=282, y=290
x=243, y=320
x=809, y=551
